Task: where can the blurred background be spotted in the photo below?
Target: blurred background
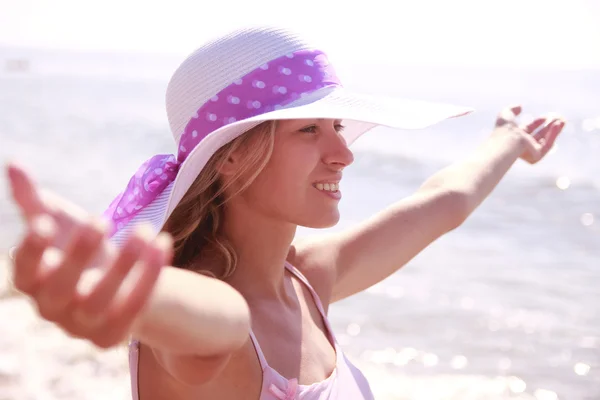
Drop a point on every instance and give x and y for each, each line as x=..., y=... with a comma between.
x=505, y=307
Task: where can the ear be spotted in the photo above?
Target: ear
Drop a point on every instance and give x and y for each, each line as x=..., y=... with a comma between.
x=230, y=164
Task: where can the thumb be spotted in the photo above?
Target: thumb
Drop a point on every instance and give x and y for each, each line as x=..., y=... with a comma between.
x=508, y=115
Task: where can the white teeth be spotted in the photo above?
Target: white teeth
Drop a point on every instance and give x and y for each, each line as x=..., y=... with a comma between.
x=328, y=187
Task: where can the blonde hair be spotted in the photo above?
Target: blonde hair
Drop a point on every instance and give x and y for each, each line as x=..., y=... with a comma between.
x=196, y=221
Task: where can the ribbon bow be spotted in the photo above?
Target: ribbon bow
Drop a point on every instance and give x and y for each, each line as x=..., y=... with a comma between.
x=151, y=178
x=290, y=392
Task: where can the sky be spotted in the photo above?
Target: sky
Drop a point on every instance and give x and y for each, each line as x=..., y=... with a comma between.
x=550, y=33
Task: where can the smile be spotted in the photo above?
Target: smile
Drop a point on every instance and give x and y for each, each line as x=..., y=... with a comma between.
x=331, y=189
x=328, y=187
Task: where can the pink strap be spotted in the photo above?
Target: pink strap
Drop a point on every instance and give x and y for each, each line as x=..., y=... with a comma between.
x=296, y=272
x=134, y=351
x=261, y=356
x=317, y=300
x=290, y=392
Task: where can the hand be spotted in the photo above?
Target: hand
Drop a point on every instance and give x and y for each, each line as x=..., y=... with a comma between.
x=537, y=137
x=52, y=259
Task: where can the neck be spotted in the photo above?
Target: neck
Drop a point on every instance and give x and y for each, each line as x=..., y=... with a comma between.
x=262, y=245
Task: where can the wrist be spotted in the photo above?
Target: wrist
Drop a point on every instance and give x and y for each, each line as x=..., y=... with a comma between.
x=509, y=140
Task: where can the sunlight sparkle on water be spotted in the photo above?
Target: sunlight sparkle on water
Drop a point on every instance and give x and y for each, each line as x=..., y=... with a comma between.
x=430, y=360
x=382, y=356
x=563, y=182
x=404, y=356
x=581, y=369
x=459, y=362
x=543, y=394
x=590, y=124
x=516, y=385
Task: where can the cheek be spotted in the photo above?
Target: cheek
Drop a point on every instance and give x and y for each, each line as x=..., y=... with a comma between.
x=285, y=180
x=282, y=180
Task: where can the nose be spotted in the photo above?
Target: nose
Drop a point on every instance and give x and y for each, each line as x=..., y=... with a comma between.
x=338, y=154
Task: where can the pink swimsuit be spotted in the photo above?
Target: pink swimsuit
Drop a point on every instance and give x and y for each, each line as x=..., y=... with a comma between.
x=345, y=383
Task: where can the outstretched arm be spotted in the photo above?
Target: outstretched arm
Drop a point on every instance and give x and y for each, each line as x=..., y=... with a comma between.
x=373, y=250
x=185, y=317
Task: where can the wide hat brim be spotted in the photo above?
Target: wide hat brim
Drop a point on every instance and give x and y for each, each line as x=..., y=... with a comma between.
x=359, y=112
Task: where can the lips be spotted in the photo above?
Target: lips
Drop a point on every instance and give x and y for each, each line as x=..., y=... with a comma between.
x=330, y=189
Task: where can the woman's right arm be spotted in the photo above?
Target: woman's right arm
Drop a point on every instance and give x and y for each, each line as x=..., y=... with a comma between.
x=189, y=313
x=185, y=317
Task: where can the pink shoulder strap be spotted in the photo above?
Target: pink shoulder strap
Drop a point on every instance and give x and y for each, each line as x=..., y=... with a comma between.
x=259, y=352
x=296, y=272
x=134, y=352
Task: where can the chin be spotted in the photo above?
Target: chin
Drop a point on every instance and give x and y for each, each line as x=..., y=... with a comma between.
x=321, y=221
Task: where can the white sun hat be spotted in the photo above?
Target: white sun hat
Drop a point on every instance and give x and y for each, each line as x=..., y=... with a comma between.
x=235, y=82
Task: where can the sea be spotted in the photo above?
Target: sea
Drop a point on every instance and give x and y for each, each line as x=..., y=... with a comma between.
x=507, y=306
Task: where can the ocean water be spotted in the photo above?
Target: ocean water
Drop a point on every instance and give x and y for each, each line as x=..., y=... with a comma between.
x=507, y=306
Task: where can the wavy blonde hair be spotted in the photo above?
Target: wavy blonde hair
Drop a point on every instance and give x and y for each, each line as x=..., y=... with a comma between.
x=195, y=224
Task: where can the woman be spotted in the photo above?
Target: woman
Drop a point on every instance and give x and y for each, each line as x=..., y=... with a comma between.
x=198, y=262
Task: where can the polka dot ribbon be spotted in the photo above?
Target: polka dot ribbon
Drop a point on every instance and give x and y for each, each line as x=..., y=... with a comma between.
x=267, y=88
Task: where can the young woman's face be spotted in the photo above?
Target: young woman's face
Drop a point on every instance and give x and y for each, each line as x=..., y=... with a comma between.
x=300, y=183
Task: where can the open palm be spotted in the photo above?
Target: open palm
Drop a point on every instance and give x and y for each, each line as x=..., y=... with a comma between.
x=52, y=260
x=538, y=136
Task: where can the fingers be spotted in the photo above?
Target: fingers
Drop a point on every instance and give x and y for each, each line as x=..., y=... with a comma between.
x=60, y=283
x=539, y=135
x=28, y=256
x=542, y=141
x=105, y=314
x=534, y=125
x=547, y=141
x=33, y=201
x=516, y=109
x=122, y=316
x=24, y=191
x=159, y=255
x=93, y=304
x=122, y=284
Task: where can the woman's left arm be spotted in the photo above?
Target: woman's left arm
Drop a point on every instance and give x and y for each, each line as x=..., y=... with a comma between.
x=373, y=250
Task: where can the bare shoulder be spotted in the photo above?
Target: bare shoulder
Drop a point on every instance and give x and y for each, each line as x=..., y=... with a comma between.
x=316, y=260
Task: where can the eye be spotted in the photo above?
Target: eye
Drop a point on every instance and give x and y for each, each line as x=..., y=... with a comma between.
x=309, y=129
x=340, y=127
x=314, y=128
